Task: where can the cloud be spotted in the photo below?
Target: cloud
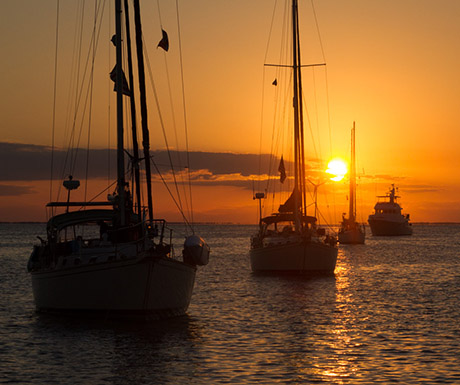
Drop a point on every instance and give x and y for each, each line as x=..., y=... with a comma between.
x=423, y=189
x=12, y=190
x=33, y=162
x=28, y=162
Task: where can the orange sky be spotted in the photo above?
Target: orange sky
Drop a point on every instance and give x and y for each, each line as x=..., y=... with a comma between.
x=391, y=66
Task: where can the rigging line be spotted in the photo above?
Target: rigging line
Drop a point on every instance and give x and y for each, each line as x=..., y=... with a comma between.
x=315, y=94
x=173, y=116
x=317, y=29
x=263, y=93
x=75, y=65
x=261, y=130
x=270, y=30
x=53, y=129
x=271, y=157
x=76, y=58
x=109, y=93
x=281, y=111
x=89, y=58
x=90, y=100
x=157, y=102
x=94, y=41
x=103, y=191
x=159, y=14
x=77, y=101
x=170, y=193
x=185, y=113
x=315, y=150
x=328, y=109
x=278, y=113
x=276, y=135
x=173, y=113
x=325, y=220
x=330, y=138
x=324, y=60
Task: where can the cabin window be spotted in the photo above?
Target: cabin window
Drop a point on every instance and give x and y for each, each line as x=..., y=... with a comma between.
x=82, y=231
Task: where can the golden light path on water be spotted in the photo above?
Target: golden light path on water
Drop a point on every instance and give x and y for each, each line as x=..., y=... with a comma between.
x=388, y=314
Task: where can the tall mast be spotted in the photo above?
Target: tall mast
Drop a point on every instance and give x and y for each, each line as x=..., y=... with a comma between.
x=143, y=99
x=120, y=144
x=133, y=111
x=352, y=202
x=301, y=136
x=297, y=101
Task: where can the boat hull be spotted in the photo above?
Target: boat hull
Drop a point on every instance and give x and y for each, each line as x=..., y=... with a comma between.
x=300, y=257
x=153, y=287
x=380, y=227
x=351, y=237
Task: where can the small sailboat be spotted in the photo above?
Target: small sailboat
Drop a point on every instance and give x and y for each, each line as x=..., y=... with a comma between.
x=289, y=241
x=115, y=260
x=350, y=230
x=387, y=218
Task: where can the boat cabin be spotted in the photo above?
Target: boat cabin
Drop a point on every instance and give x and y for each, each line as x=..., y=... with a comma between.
x=283, y=224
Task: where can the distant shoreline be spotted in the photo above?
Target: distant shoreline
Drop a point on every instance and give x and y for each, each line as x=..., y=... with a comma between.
x=232, y=223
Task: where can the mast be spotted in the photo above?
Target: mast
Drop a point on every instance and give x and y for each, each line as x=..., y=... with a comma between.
x=133, y=111
x=143, y=99
x=352, y=202
x=300, y=99
x=297, y=105
x=120, y=145
x=300, y=199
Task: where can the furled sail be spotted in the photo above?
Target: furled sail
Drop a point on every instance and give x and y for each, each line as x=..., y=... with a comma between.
x=289, y=205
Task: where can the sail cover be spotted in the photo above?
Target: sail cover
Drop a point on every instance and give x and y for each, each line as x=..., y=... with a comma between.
x=289, y=205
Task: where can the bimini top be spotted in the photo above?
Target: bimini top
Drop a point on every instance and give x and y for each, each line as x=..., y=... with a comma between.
x=284, y=217
x=58, y=222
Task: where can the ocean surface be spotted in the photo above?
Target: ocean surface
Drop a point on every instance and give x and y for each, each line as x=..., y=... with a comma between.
x=391, y=314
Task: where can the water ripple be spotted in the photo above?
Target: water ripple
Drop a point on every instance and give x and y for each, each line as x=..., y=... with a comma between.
x=390, y=314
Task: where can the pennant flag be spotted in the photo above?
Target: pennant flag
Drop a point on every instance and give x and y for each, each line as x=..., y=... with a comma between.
x=113, y=76
x=275, y=82
x=164, y=42
x=282, y=170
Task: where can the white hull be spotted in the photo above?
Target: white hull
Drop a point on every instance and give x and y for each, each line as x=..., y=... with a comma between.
x=152, y=286
x=299, y=257
x=354, y=236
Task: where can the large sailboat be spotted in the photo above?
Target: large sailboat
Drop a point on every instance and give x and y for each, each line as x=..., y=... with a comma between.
x=289, y=241
x=350, y=230
x=387, y=218
x=115, y=259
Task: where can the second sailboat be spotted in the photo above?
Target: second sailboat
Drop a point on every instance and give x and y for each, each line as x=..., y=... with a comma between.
x=289, y=240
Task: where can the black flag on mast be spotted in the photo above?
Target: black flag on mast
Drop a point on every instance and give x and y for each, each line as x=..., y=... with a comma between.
x=113, y=76
x=164, y=42
x=282, y=170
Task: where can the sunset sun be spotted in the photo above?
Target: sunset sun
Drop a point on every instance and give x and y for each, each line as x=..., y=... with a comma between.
x=337, y=168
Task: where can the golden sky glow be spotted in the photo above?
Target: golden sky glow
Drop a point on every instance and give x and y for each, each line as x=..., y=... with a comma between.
x=392, y=66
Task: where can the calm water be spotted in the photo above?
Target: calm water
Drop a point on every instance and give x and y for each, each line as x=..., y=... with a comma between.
x=390, y=314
